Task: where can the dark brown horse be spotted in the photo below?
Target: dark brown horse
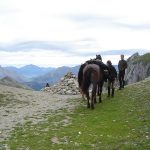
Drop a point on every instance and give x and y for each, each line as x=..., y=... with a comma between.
x=103, y=67
x=90, y=74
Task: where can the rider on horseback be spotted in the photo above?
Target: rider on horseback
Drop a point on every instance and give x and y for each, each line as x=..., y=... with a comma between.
x=98, y=61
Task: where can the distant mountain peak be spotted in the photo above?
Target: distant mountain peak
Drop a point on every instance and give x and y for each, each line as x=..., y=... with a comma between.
x=30, y=66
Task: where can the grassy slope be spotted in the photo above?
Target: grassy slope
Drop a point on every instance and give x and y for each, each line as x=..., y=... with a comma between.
x=144, y=58
x=12, y=83
x=119, y=123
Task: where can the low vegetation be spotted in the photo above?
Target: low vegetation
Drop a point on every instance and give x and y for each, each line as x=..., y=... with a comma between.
x=144, y=58
x=9, y=99
x=121, y=122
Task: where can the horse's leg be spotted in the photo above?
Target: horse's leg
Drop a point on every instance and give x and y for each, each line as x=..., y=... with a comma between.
x=82, y=94
x=109, y=88
x=93, y=99
x=97, y=92
x=113, y=89
x=88, y=99
x=100, y=96
x=98, y=89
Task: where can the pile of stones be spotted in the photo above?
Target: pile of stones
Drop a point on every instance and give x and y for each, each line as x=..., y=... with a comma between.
x=68, y=85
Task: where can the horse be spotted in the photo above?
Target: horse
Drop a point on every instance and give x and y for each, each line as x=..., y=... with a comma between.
x=90, y=74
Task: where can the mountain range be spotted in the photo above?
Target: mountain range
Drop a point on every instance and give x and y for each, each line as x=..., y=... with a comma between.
x=51, y=77
x=30, y=71
x=6, y=72
x=36, y=77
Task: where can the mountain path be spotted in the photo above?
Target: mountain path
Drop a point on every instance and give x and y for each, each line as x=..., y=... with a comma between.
x=18, y=106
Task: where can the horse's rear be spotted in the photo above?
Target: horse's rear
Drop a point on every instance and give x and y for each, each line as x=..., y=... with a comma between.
x=92, y=74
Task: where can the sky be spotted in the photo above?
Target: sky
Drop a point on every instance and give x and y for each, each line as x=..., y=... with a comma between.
x=53, y=33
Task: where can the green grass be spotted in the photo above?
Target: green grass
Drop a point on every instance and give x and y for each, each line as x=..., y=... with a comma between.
x=119, y=123
x=144, y=58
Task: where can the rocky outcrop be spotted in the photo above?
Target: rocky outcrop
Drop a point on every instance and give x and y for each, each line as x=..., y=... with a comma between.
x=68, y=85
x=138, y=68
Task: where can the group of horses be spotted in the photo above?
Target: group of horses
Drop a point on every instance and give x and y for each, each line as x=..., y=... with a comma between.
x=94, y=72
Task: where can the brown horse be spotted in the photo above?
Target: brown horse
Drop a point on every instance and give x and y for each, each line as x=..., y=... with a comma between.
x=91, y=74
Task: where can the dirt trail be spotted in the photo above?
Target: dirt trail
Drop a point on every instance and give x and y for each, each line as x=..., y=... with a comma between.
x=19, y=105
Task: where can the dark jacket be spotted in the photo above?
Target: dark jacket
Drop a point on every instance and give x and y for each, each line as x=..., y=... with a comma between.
x=112, y=72
x=122, y=65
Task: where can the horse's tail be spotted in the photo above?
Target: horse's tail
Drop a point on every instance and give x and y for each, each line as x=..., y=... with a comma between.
x=86, y=80
x=80, y=74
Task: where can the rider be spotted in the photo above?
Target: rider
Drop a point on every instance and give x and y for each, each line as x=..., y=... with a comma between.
x=122, y=65
x=98, y=61
x=103, y=66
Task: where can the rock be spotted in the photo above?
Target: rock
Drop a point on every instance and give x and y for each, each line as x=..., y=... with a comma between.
x=69, y=92
x=70, y=82
x=68, y=85
x=138, y=68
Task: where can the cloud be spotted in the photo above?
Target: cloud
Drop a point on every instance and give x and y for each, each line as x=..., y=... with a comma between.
x=73, y=30
x=41, y=58
x=46, y=58
x=139, y=26
x=127, y=52
x=30, y=45
x=93, y=20
x=89, y=18
x=84, y=47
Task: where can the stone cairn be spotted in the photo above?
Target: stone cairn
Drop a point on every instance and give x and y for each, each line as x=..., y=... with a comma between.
x=68, y=85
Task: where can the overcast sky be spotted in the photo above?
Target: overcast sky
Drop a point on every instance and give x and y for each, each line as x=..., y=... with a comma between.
x=68, y=32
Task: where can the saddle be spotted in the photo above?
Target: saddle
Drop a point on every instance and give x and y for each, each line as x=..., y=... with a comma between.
x=102, y=66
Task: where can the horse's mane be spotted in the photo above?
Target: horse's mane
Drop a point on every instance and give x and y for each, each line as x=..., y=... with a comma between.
x=80, y=74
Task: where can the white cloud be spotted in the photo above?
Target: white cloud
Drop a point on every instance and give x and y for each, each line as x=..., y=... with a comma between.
x=41, y=58
x=116, y=24
x=47, y=58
